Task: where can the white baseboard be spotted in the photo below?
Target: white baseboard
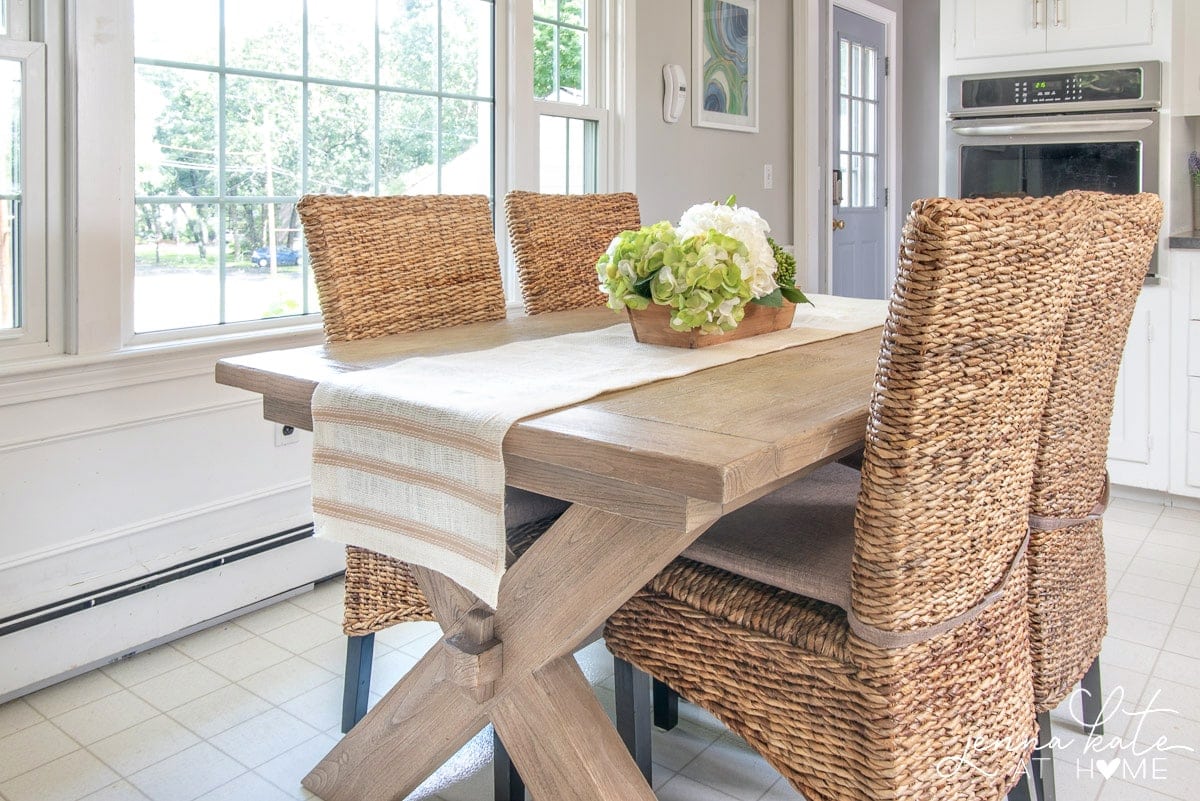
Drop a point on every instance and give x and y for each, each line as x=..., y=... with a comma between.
x=51, y=652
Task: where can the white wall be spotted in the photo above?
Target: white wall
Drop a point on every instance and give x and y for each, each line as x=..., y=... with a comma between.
x=922, y=118
x=679, y=165
x=110, y=471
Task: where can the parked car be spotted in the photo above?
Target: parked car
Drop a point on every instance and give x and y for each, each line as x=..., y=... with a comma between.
x=284, y=257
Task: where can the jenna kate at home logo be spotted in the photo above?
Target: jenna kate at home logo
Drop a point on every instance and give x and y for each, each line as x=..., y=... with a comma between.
x=1135, y=755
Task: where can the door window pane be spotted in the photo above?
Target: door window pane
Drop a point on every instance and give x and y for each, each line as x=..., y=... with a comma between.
x=858, y=120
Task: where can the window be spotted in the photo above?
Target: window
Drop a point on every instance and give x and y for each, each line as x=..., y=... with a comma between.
x=24, y=291
x=241, y=107
x=567, y=94
x=858, y=142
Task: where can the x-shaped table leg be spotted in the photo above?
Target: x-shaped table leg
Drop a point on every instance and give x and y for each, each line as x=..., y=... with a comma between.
x=560, y=591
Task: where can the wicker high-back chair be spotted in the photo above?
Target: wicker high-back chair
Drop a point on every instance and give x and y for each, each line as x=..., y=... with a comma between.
x=557, y=239
x=868, y=686
x=389, y=265
x=1068, y=613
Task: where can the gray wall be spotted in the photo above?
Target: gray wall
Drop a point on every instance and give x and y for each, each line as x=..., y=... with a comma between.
x=678, y=165
x=921, y=117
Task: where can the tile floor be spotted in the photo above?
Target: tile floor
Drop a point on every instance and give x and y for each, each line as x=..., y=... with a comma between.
x=241, y=711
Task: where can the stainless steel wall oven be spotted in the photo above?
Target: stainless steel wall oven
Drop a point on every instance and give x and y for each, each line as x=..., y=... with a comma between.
x=1042, y=133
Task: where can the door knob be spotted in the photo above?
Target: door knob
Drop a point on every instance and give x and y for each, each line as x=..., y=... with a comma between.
x=839, y=225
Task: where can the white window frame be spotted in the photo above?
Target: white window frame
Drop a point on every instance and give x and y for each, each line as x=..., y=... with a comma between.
x=39, y=296
x=611, y=94
x=89, y=219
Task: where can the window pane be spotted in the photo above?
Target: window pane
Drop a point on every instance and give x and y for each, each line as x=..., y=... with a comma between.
x=256, y=288
x=222, y=158
x=466, y=147
x=571, y=45
x=176, y=132
x=341, y=132
x=572, y=11
x=544, y=46
x=263, y=35
x=844, y=67
x=407, y=54
x=341, y=39
x=177, y=283
x=3, y=17
x=869, y=130
x=545, y=8
x=466, y=47
x=567, y=155
x=176, y=30
x=869, y=76
x=856, y=181
x=856, y=70
x=856, y=125
x=844, y=123
x=10, y=253
x=869, y=168
x=408, y=133
x=10, y=125
x=262, y=148
x=552, y=165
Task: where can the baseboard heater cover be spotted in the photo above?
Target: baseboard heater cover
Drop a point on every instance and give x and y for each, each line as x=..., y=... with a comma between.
x=113, y=592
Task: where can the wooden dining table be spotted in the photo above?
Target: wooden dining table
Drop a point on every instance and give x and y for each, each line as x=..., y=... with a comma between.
x=647, y=470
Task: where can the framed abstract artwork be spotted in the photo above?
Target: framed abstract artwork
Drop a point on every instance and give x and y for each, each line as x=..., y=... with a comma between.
x=725, y=83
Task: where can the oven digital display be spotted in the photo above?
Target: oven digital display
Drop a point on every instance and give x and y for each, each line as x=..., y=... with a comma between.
x=1020, y=90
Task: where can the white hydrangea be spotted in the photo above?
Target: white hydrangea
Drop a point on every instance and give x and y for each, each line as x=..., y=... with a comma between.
x=743, y=224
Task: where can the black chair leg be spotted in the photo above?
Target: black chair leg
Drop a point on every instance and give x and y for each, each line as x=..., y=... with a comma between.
x=633, y=713
x=1093, y=700
x=359, y=651
x=1020, y=791
x=507, y=782
x=1043, y=761
x=666, y=706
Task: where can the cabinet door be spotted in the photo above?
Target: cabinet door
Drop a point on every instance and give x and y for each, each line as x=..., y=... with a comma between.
x=1081, y=24
x=999, y=27
x=1136, y=452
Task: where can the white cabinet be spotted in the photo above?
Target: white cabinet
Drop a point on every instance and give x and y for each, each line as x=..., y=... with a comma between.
x=1013, y=27
x=1186, y=60
x=1138, y=440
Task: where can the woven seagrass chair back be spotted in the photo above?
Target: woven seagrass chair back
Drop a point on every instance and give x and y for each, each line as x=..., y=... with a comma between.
x=1073, y=446
x=386, y=265
x=973, y=328
x=557, y=239
x=1067, y=585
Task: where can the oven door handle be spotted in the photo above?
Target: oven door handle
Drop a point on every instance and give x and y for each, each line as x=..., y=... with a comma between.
x=1053, y=127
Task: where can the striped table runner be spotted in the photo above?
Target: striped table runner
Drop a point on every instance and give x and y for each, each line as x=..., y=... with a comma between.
x=407, y=459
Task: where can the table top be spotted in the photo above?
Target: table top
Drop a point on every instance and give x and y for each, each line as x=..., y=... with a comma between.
x=669, y=452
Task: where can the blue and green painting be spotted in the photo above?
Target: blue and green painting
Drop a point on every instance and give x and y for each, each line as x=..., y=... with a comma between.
x=727, y=58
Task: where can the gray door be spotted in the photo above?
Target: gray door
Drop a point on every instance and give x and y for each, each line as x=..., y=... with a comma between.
x=860, y=218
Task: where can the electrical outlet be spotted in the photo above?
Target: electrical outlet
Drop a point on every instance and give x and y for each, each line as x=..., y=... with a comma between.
x=286, y=435
x=768, y=176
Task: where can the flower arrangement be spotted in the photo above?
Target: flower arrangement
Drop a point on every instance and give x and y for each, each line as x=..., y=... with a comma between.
x=706, y=269
x=1194, y=166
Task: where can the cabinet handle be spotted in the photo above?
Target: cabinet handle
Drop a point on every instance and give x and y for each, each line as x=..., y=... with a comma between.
x=1058, y=19
x=1037, y=16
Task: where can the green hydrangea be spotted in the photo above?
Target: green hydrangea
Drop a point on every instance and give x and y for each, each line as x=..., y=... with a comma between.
x=700, y=277
x=631, y=261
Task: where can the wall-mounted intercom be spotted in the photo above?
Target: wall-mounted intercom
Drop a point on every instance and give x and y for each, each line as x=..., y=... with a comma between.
x=674, y=92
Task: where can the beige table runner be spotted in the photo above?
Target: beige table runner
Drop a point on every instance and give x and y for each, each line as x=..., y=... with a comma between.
x=407, y=459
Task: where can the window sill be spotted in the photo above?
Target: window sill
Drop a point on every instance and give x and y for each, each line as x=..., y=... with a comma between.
x=142, y=362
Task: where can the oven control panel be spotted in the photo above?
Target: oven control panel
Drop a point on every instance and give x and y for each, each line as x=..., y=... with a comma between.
x=1021, y=89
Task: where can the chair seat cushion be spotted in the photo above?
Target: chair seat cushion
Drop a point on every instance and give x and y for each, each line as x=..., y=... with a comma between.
x=799, y=538
x=521, y=507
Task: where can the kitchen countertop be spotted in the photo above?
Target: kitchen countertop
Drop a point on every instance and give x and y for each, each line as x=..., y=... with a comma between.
x=1185, y=240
